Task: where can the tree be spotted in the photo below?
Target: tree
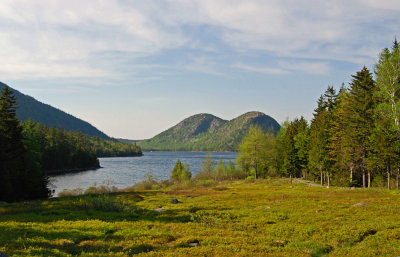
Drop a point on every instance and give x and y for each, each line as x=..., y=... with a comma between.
x=253, y=150
x=181, y=172
x=301, y=143
x=20, y=177
x=359, y=119
x=388, y=82
x=220, y=170
x=321, y=136
x=387, y=113
x=291, y=163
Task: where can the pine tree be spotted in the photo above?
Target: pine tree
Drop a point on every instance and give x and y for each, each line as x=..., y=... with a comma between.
x=291, y=162
x=20, y=178
x=302, y=140
x=181, y=172
x=321, y=136
x=360, y=122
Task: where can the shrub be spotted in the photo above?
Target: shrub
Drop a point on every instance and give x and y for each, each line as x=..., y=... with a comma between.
x=104, y=202
x=181, y=172
x=147, y=183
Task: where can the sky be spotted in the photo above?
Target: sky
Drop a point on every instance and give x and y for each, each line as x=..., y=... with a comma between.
x=135, y=68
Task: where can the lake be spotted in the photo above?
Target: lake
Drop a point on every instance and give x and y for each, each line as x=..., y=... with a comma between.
x=125, y=171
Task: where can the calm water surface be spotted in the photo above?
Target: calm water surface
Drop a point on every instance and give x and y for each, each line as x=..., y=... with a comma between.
x=126, y=171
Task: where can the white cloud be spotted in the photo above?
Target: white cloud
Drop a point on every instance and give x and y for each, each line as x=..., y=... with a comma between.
x=54, y=38
x=321, y=68
x=265, y=70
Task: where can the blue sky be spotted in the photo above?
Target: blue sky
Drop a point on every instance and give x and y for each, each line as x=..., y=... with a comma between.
x=136, y=68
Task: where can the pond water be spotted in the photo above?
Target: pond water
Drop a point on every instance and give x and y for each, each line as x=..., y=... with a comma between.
x=126, y=171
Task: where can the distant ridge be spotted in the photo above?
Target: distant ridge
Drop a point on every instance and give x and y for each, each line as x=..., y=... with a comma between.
x=30, y=108
x=206, y=132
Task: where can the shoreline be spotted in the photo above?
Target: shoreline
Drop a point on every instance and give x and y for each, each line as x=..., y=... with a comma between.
x=66, y=171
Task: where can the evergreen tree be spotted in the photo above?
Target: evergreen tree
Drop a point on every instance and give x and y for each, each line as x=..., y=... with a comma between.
x=180, y=173
x=360, y=122
x=302, y=139
x=291, y=163
x=321, y=137
x=20, y=177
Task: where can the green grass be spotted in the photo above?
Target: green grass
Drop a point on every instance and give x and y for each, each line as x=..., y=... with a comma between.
x=267, y=218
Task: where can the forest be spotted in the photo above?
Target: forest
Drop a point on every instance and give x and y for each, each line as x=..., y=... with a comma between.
x=352, y=140
x=30, y=151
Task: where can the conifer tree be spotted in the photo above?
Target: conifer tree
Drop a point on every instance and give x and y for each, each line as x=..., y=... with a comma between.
x=291, y=162
x=360, y=122
x=20, y=179
x=321, y=136
x=181, y=172
x=302, y=145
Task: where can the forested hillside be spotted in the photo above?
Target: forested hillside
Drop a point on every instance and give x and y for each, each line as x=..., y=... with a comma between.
x=205, y=132
x=30, y=108
x=60, y=151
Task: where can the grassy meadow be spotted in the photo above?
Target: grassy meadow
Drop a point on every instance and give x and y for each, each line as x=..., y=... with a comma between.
x=265, y=218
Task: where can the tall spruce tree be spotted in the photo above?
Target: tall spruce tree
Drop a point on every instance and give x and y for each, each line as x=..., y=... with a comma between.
x=302, y=139
x=291, y=161
x=321, y=136
x=359, y=120
x=19, y=178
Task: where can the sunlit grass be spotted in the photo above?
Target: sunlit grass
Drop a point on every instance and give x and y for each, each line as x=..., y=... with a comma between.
x=266, y=218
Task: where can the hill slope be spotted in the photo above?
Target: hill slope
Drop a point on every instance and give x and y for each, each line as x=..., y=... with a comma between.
x=205, y=132
x=29, y=107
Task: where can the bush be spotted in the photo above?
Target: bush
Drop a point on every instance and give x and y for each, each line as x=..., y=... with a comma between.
x=250, y=178
x=148, y=183
x=104, y=202
x=181, y=172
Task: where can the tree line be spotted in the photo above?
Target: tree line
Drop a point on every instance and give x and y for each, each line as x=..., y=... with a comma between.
x=30, y=151
x=353, y=138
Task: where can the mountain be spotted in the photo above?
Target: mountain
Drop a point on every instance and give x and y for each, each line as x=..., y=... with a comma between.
x=206, y=132
x=30, y=108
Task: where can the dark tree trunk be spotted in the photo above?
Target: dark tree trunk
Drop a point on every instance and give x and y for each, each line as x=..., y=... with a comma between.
x=397, y=178
x=255, y=171
x=290, y=178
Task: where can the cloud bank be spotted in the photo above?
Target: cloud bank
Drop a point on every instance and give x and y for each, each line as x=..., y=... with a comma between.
x=64, y=39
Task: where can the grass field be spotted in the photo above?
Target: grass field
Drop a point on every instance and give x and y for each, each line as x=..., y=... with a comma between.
x=266, y=218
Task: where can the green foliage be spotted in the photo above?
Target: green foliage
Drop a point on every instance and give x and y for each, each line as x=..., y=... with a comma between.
x=21, y=176
x=181, y=172
x=149, y=182
x=58, y=150
x=254, y=151
x=265, y=218
x=207, y=168
x=205, y=132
